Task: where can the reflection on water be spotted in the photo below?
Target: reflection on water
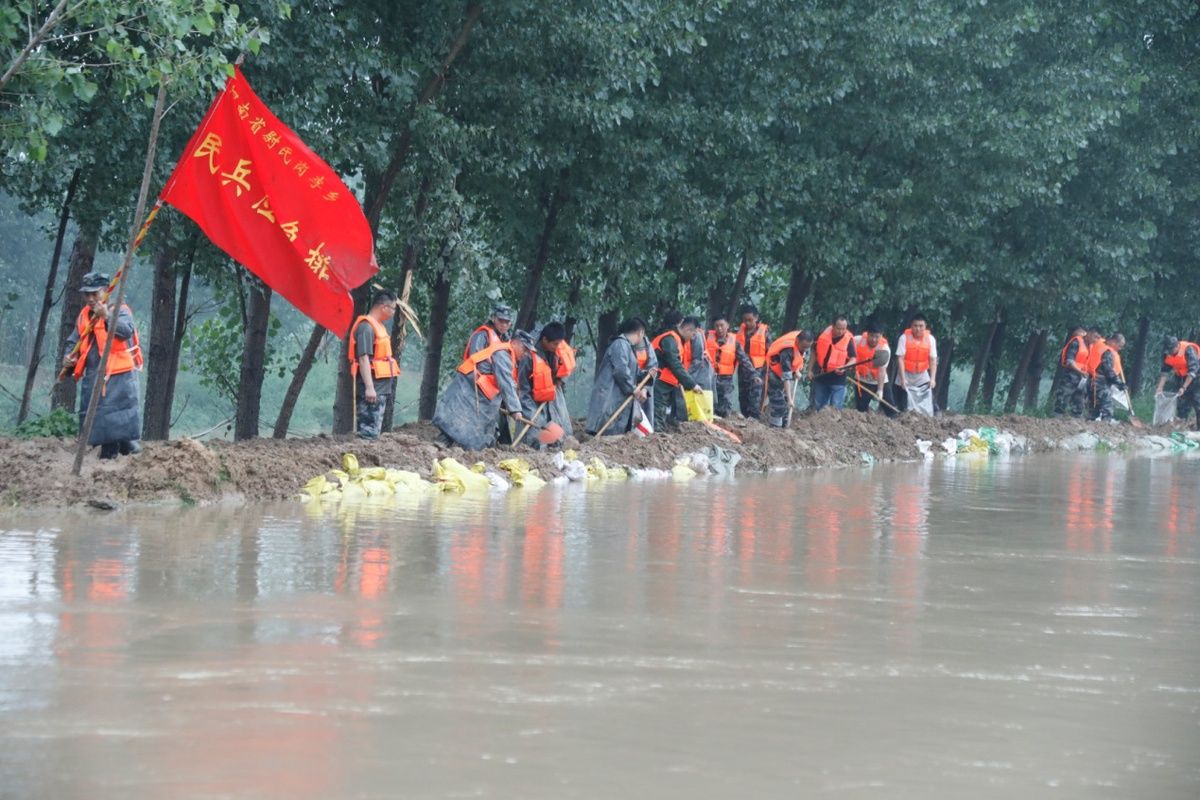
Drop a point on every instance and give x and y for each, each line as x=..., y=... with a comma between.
x=1002, y=628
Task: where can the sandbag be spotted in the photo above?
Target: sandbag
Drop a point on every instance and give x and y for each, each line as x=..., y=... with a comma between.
x=1164, y=409
x=920, y=399
x=700, y=406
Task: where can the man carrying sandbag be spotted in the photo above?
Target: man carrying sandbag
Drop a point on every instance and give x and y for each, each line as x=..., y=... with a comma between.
x=1181, y=360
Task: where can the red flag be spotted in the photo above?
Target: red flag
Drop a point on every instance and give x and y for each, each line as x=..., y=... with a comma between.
x=272, y=204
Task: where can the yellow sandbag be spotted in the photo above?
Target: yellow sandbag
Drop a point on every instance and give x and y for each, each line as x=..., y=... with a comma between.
x=570, y=455
x=376, y=487
x=617, y=474
x=353, y=491
x=682, y=472
x=521, y=473
x=479, y=467
x=597, y=470
x=450, y=471
x=405, y=480
x=316, y=487
x=375, y=474
x=700, y=406
x=974, y=445
x=350, y=463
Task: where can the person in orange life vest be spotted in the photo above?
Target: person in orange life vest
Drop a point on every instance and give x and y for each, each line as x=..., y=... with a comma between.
x=617, y=377
x=537, y=379
x=673, y=347
x=1105, y=373
x=372, y=365
x=1182, y=360
x=116, y=427
x=755, y=337
x=785, y=360
x=561, y=357
x=727, y=356
x=867, y=375
x=917, y=355
x=647, y=362
x=469, y=410
x=834, y=347
x=1072, y=374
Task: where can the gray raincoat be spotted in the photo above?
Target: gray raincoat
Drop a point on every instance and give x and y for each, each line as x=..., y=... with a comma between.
x=701, y=369
x=463, y=413
x=117, y=414
x=616, y=378
x=555, y=410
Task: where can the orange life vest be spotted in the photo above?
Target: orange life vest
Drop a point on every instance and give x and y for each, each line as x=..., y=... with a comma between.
x=723, y=355
x=566, y=360
x=785, y=342
x=493, y=337
x=865, y=353
x=1096, y=355
x=916, y=354
x=1178, y=360
x=486, y=382
x=541, y=379
x=643, y=356
x=831, y=354
x=685, y=356
x=1081, y=355
x=382, y=363
x=756, y=347
x=125, y=355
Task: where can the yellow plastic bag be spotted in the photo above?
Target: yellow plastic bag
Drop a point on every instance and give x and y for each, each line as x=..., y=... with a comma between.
x=402, y=479
x=454, y=477
x=597, y=470
x=521, y=473
x=700, y=406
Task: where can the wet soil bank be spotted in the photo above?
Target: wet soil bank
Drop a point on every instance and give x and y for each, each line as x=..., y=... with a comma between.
x=36, y=472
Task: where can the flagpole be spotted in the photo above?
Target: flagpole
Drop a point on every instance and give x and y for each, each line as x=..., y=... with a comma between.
x=140, y=227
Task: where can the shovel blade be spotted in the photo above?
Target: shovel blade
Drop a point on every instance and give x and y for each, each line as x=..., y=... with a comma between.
x=550, y=434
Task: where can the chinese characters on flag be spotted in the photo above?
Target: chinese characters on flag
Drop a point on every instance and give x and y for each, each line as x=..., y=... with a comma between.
x=272, y=204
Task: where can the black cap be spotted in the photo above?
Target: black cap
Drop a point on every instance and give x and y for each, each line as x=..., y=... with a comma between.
x=1169, y=345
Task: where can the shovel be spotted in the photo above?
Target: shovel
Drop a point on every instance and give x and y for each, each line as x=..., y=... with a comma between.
x=549, y=433
x=528, y=425
x=623, y=406
x=876, y=395
x=879, y=359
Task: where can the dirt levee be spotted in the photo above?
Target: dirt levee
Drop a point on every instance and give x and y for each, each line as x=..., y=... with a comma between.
x=36, y=472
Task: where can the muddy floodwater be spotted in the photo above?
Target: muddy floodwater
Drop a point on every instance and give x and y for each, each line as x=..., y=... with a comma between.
x=1006, y=628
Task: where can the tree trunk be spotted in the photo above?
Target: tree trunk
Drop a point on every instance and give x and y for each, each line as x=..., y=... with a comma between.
x=438, y=315
x=412, y=252
x=1138, y=363
x=1021, y=373
x=570, y=321
x=181, y=321
x=738, y=295
x=981, y=360
x=39, y=334
x=156, y=412
x=799, y=286
x=254, y=355
x=1033, y=379
x=528, y=312
x=79, y=263
x=343, y=421
x=606, y=329
x=946, y=349
x=299, y=376
x=992, y=369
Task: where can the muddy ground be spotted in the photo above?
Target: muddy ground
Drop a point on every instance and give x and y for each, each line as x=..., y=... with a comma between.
x=36, y=472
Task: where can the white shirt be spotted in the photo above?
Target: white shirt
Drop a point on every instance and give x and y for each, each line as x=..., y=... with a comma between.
x=900, y=348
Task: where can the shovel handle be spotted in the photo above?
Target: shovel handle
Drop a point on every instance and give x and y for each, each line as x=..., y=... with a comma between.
x=528, y=425
x=623, y=406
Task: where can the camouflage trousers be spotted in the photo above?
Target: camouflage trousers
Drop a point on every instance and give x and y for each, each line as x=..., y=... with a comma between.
x=369, y=422
x=1072, y=391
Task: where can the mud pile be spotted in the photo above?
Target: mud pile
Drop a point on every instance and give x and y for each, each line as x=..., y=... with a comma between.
x=36, y=472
